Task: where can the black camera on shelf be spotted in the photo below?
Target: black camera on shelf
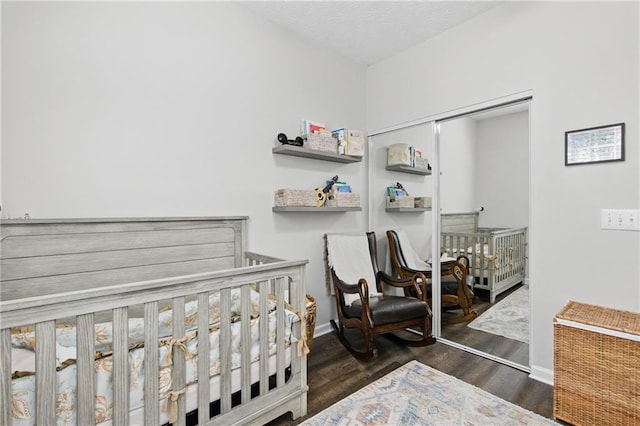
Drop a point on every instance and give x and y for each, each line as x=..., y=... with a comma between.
x=282, y=138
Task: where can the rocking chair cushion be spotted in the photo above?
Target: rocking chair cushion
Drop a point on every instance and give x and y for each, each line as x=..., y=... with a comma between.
x=390, y=309
x=449, y=286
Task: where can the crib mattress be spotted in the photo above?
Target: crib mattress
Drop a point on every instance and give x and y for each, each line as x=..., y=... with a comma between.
x=23, y=361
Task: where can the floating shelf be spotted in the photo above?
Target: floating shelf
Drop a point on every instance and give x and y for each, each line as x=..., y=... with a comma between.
x=297, y=151
x=317, y=209
x=409, y=169
x=407, y=209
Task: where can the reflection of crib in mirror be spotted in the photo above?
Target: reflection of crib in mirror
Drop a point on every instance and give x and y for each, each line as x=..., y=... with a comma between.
x=497, y=255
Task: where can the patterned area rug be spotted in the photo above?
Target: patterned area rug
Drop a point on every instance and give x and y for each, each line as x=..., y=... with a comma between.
x=509, y=317
x=416, y=394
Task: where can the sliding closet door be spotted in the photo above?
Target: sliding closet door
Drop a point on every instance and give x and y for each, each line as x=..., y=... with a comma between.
x=483, y=167
x=479, y=164
x=407, y=168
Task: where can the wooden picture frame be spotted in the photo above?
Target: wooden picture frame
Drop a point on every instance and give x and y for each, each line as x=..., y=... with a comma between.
x=594, y=145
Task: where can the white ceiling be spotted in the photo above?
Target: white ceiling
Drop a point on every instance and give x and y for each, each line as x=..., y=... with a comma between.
x=368, y=31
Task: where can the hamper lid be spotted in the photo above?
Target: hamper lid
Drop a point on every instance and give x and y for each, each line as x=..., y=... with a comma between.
x=599, y=316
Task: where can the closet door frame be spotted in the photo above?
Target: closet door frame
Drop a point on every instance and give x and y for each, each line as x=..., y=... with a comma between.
x=435, y=121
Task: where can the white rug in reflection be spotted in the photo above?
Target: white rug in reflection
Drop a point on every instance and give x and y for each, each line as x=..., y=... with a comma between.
x=508, y=318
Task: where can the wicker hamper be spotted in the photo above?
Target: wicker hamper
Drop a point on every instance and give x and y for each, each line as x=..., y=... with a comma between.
x=295, y=198
x=344, y=199
x=424, y=202
x=322, y=142
x=404, y=202
x=422, y=163
x=596, y=366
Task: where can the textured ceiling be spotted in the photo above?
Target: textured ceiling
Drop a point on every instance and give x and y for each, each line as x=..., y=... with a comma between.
x=368, y=31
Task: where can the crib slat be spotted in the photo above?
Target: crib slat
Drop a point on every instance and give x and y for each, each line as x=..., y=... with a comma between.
x=280, y=348
x=120, y=371
x=46, y=372
x=245, y=343
x=482, y=270
x=5, y=376
x=492, y=267
x=225, y=350
x=513, y=267
x=86, y=377
x=179, y=370
x=514, y=256
x=501, y=247
x=203, y=358
x=264, y=337
x=299, y=363
x=151, y=403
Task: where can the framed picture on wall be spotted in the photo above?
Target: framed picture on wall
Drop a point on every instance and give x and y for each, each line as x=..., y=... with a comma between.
x=594, y=145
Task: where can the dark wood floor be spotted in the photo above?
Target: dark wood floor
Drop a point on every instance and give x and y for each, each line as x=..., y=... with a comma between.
x=502, y=347
x=333, y=373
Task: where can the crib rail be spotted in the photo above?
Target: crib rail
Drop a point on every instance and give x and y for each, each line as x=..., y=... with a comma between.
x=268, y=275
x=497, y=256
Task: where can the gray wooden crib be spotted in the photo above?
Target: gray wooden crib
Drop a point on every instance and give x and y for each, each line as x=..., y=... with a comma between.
x=115, y=315
x=497, y=256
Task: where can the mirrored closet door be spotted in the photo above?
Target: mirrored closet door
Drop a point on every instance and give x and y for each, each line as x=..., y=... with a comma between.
x=477, y=187
x=484, y=216
x=401, y=188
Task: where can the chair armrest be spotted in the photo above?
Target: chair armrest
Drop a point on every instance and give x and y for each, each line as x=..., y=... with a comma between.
x=347, y=288
x=465, y=286
x=394, y=282
x=411, y=271
x=464, y=259
x=418, y=282
x=362, y=288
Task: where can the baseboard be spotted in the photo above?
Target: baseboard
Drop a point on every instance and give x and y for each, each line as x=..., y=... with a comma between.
x=322, y=329
x=541, y=374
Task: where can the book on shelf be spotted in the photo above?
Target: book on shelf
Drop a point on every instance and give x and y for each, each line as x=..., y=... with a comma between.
x=403, y=154
x=308, y=127
x=350, y=141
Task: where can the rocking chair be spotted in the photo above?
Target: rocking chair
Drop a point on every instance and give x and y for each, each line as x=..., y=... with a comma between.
x=360, y=296
x=456, y=292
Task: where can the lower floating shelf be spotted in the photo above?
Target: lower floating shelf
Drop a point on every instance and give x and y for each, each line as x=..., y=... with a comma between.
x=409, y=169
x=317, y=209
x=407, y=209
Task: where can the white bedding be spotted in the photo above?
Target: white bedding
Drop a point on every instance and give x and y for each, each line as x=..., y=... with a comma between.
x=23, y=388
x=477, y=250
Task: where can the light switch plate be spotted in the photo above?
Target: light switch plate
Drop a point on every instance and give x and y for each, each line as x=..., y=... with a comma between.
x=621, y=219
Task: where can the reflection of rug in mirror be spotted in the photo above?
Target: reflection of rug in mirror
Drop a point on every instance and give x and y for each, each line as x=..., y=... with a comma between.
x=509, y=317
x=416, y=394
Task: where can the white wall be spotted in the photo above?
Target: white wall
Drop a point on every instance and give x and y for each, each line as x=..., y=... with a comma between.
x=580, y=60
x=458, y=166
x=118, y=109
x=502, y=187
x=162, y=109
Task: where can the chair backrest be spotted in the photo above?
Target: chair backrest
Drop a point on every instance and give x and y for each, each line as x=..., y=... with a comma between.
x=400, y=247
x=373, y=251
x=352, y=257
x=395, y=251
